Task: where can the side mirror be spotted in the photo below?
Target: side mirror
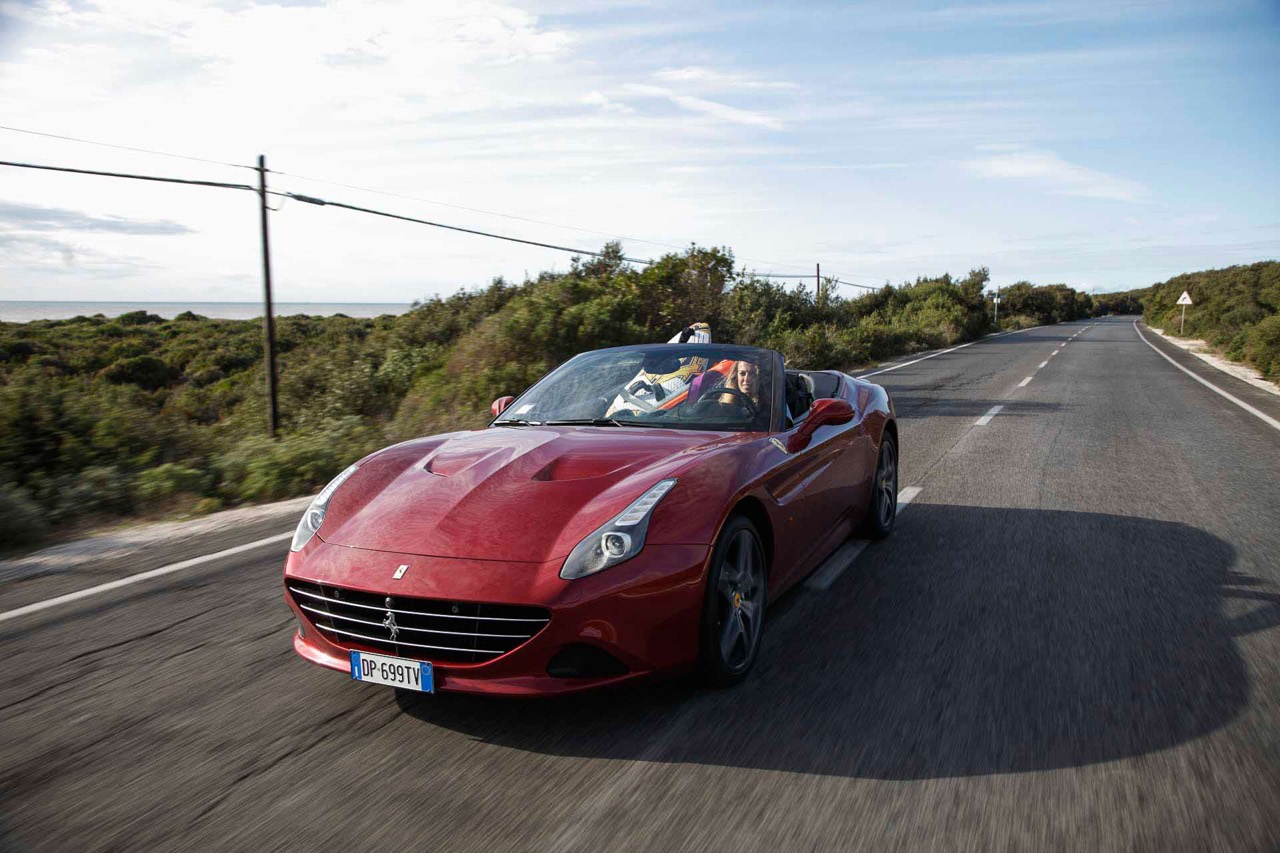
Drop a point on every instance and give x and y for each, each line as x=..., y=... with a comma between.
x=500, y=404
x=829, y=411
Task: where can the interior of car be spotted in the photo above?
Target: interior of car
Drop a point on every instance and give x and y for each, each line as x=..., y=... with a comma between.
x=802, y=388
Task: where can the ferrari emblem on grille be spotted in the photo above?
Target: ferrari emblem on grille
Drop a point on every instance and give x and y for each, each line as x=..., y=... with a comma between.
x=400, y=572
x=390, y=624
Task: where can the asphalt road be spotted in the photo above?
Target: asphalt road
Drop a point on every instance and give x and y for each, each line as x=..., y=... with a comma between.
x=1070, y=642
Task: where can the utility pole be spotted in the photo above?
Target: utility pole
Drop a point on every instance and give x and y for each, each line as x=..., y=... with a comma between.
x=268, y=320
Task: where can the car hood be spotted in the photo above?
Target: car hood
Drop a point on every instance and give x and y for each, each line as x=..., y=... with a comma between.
x=527, y=494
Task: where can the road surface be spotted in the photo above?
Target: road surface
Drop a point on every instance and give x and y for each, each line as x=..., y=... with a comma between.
x=1070, y=642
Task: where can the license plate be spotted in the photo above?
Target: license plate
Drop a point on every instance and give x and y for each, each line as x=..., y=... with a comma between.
x=395, y=672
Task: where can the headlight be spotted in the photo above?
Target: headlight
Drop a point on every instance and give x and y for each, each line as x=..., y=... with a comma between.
x=619, y=540
x=314, y=516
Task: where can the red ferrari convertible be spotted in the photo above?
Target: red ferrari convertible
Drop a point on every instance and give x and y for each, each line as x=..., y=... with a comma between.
x=631, y=514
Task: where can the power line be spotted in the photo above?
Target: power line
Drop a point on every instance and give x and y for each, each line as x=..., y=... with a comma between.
x=479, y=210
x=837, y=279
x=124, y=147
x=324, y=202
x=806, y=276
x=219, y=184
x=549, y=224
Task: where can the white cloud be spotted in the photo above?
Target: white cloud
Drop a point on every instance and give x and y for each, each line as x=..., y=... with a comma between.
x=1051, y=171
x=712, y=109
x=597, y=99
x=710, y=79
x=645, y=117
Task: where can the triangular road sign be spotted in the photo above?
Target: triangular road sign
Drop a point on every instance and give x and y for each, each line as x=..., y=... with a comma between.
x=1185, y=298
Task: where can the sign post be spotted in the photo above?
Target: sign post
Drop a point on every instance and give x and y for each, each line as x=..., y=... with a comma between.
x=1184, y=300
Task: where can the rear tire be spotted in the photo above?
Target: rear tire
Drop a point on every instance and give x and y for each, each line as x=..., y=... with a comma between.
x=882, y=508
x=733, y=606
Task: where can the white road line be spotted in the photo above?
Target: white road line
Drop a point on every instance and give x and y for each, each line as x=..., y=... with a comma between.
x=1206, y=383
x=943, y=352
x=141, y=576
x=1052, y=354
x=915, y=361
x=1024, y=383
x=839, y=562
x=986, y=419
x=1042, y=364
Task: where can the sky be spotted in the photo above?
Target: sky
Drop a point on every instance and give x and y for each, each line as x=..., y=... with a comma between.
x=1106, y=145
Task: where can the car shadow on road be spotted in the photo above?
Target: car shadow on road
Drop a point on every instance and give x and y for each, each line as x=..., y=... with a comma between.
x=974, y=641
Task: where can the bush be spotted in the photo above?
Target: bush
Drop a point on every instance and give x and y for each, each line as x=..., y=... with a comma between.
x=1262, y=347
x=1234, y=310
x=259, y=469
x=99, y=490
x=21, y=521
x=145, y=371
x=163, y=482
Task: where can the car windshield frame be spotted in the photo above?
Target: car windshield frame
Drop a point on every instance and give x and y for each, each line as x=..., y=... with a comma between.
x=769, y=363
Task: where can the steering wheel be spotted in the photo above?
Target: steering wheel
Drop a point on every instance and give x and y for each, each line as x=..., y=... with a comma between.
x=749, y=403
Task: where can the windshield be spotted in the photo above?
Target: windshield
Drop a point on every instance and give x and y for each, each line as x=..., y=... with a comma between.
x=673, y=386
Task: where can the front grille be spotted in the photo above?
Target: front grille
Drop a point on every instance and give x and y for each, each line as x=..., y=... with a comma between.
x=427, y=628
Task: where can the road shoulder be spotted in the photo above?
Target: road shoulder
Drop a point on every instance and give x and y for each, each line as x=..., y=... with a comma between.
x=71, y=566
x=1263, y=401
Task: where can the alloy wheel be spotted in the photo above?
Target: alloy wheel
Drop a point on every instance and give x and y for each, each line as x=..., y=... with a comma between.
x=740, y=605
x=887, y=484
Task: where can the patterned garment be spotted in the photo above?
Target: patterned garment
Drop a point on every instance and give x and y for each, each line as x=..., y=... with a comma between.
x=652, y=389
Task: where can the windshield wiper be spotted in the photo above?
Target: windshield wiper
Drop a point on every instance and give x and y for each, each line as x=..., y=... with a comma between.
x=516, y=422
x=587, y=422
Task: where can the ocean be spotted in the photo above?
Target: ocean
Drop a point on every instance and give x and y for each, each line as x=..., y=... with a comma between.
x=15, y=311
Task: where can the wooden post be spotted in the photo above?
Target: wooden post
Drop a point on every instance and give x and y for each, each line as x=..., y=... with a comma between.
x=268, y=320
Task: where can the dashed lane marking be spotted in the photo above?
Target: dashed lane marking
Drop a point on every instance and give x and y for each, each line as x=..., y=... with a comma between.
x=839, y=562
x=986, y=419
x=1024, y=383
x=943, y=352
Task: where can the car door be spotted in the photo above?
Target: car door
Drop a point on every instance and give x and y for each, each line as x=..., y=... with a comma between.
x=815, y=481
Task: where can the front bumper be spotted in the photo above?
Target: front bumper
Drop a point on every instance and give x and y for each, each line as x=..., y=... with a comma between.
x=645, y=612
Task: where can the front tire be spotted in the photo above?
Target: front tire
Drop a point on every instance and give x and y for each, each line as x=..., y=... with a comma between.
x=882, y=509
x=733, y=606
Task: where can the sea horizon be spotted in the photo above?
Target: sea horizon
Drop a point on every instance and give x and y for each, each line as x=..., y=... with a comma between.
x=26, y=311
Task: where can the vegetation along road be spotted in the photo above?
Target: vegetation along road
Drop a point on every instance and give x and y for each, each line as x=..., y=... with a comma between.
x=1070, y=640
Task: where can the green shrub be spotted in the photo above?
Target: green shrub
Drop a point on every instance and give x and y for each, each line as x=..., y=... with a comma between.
x=163, y=482
x=205, y=506
x=21, y=521
x=1262, y=347
x=95, y=491
x=1233, y=309
x=260, y=469
x=145, y=371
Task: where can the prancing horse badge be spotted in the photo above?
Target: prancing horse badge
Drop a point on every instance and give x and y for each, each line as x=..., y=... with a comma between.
x=400, y=572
